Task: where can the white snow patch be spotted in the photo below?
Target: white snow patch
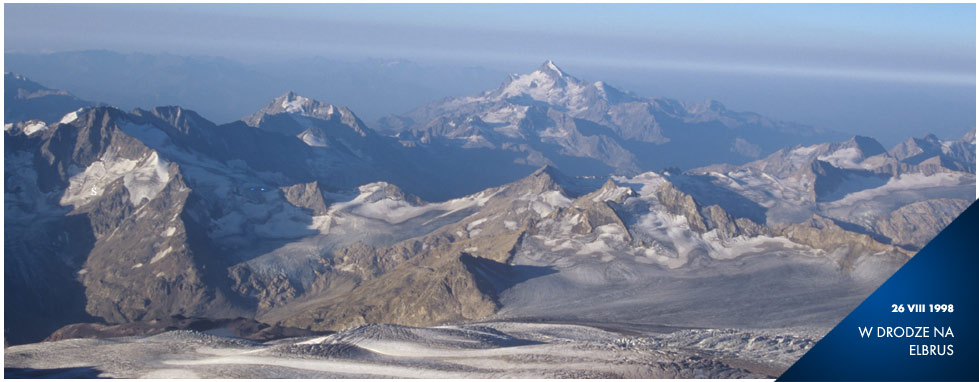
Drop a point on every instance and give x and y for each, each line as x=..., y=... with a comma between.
x=160, y=255
x=556, y=199
x=648, y=183
x=34, y=127
x=147, y=180
x=311, y=139
x=843, y=158
x=475, y=224
x=70, y=117
x=84, y=186
x=805, y=150
x=597, y=246
x=554, y=132
x=906, y=182
x=612, y=194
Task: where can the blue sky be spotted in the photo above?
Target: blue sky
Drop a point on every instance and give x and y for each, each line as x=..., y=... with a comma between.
x=876, y=46
x=915, y=42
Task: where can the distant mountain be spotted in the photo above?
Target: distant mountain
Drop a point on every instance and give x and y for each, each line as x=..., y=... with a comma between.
x=223, y=90
x=26, y=100
x=553, y=118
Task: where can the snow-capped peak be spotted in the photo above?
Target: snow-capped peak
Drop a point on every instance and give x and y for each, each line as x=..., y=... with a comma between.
x=549, y=67
x=294, y=103
x=308, y=113
x=548, y=84
x=71, y=117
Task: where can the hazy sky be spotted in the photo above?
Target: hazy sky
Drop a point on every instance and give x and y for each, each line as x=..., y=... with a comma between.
x=876, y=48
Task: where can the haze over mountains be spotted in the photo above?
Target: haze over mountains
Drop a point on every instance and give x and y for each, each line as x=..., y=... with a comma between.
x=548, y=198
x=28, y=100
x=223, y=90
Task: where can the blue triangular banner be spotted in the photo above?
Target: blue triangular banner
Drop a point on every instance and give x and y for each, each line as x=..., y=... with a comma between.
x=920, y=325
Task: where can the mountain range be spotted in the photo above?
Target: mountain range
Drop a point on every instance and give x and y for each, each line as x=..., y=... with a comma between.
x=548, y=198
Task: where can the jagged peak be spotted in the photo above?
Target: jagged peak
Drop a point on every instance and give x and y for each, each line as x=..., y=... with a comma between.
x=184, y=120
x=610, y=192
x=553, y=173
x=970, y=136
x=609, y=184
x=550, y=68
x=376, y=191
x=291, y=102
x=867, y=145
x=546, y=170
x=71, y=116
x=545, y=178
x=295, y=104
x=170, y=112
x=110, y=111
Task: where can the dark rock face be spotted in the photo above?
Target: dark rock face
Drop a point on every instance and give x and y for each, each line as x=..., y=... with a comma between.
x=138, y=208
x=917, y=223
x=306, y=195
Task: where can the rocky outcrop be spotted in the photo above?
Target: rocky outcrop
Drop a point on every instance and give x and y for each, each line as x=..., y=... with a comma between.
x=703, y=219
x=824, y=234
x=679, y=203
x=915, y=224
x=429, y=289
x=306, y=195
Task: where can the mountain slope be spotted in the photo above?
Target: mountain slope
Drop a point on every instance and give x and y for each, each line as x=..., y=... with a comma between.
x=224, y=90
